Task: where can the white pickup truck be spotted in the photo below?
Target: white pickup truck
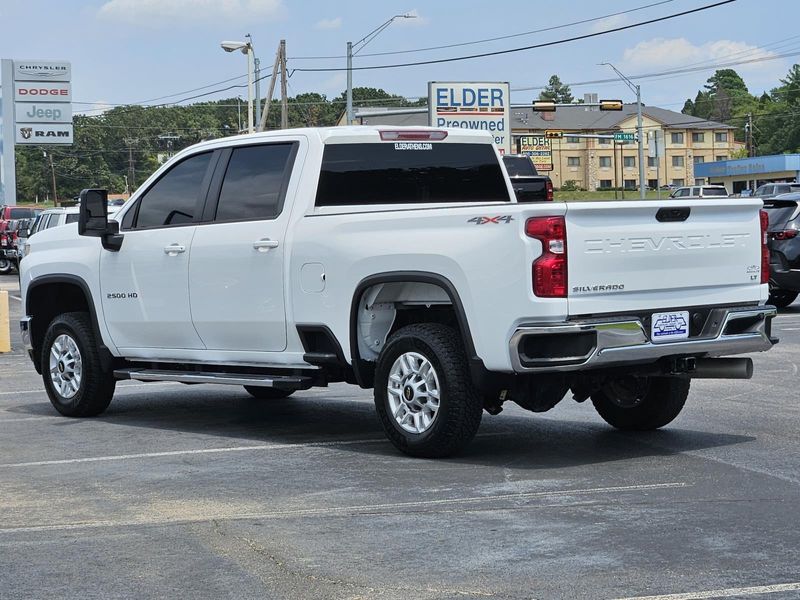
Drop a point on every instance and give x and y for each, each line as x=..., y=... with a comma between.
x=396, y=259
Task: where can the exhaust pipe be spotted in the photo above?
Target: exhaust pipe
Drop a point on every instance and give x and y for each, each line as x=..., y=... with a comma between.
x=722, y=368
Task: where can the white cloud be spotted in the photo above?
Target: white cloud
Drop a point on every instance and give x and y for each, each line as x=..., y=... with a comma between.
x=335, y=23
x=609, y=23
x=98, y=107
x=663, y=53
x=171, y=12
x=416, y=21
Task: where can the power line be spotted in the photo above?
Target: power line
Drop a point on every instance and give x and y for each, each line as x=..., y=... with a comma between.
x=492, y=39
x=523, y=48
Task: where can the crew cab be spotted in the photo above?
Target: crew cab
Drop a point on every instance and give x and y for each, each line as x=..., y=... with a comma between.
x=397, y=259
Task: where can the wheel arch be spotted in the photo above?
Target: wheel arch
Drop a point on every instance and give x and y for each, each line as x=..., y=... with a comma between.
x=48, y=296
x=364, y=370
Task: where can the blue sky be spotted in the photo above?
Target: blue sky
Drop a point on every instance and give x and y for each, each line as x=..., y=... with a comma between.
x=126, y=51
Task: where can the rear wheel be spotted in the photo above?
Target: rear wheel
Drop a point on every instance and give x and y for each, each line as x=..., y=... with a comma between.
x=424, y=395
x=267, y=393
x=781, y=298
x=641, y=403
x=5, y=266
x=72, y=371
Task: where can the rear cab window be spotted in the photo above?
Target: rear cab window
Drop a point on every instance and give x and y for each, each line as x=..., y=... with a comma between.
x=519, y=166
x=410, y=173
x=714, y=192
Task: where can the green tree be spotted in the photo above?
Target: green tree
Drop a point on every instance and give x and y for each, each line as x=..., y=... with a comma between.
x=556, y=91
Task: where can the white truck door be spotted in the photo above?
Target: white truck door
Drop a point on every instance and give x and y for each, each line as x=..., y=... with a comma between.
x=145, y=286
x=236, y=283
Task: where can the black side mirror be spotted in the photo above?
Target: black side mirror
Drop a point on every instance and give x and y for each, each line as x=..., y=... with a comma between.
x=93, y=219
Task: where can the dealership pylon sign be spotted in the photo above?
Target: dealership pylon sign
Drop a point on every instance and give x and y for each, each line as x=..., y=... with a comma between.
x=36, y=108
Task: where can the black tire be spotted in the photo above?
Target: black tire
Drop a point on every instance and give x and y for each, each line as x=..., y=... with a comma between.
x=267, y=393
x=96, y=385
x=5, y=266
x=781, y=298
x=460, y=405
x=655, y=402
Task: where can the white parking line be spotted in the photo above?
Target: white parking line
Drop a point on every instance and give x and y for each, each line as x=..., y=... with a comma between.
x=17, y=298
x=42, y=418
x=725, y=593
x=119, y=387
x=337, y=510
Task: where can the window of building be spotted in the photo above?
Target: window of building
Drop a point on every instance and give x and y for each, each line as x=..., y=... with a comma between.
x=629, y=162
x=699, y=180
x=698, y=138
x=652, y=161
x=173, y=199
x=678, y=182
x=573, y=140
x=605, y=162
x=677, y=161
x=720, y=157
x=253, y=183
x=605, y=183
x=364, y=174
x=652, y=183
x=677, y=138
x=721, y=136
x=699, y=159
x=630, y=184
x=604, y=141
x=573, y=161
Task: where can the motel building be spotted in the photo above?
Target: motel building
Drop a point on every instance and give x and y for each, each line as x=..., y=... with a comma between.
x=749, y=173
x=593, y=164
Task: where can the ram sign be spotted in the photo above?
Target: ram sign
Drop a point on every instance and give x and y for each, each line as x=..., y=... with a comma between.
x=476, y=106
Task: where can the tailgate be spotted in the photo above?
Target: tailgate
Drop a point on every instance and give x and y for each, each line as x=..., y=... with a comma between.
x=643, y=255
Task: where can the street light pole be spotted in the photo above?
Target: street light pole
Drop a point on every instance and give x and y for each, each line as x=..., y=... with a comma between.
x=246, y=49
x=365, y=40
x=637, y=89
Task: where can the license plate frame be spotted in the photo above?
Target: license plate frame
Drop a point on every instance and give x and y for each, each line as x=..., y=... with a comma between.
x=669, y=326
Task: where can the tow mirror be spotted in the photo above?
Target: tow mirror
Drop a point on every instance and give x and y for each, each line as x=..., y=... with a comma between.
x=93, y=219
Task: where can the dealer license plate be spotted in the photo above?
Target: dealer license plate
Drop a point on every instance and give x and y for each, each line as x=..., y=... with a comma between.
x=669, y=326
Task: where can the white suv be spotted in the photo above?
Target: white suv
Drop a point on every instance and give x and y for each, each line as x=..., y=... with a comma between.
x=700, y=191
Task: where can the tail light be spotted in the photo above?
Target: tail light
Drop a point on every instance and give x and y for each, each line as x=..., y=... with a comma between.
x=785, y=234
x=764, y=249
x=550, y=269
x=412, y=135
x=549, y=189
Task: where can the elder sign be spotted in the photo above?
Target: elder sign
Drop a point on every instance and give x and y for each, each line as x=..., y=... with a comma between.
x=469, y=105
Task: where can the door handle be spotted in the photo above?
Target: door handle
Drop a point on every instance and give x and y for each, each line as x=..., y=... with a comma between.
x=265, y=244
x=174, y=249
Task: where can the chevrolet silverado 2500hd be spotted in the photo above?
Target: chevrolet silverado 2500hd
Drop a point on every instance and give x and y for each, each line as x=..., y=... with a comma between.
x=396, y=259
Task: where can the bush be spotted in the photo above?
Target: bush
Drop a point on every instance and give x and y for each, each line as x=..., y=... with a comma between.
x=570, y=186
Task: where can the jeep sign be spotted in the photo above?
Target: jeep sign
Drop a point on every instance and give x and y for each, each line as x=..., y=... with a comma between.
x=41, y=112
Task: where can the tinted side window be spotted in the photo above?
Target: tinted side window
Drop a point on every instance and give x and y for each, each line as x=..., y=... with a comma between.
x=253, y=183
x=173, y=199
x=72, y=218
x=408, y=173
x=20, y=213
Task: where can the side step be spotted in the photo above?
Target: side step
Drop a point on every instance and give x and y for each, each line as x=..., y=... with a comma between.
x=286, y=382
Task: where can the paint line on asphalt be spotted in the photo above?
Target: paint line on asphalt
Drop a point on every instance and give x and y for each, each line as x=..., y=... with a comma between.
x=394, y=507
x=21, y=419
x=724, y=593
x=119, y=387
x=17, y=298
x=223, y=450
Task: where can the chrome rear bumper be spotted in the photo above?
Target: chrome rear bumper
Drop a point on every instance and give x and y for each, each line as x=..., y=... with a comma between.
x=610, y=342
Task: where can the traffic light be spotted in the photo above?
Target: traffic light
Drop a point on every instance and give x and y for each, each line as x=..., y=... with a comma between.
x=544, y=106
x=552, y=134
x=610, y=104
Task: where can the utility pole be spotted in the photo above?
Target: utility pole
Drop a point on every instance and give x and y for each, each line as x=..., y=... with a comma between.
x=749, y=138
x=131, y=142
x=53, y=174
x=262, y=125
x=257, y=63
x=284, y=104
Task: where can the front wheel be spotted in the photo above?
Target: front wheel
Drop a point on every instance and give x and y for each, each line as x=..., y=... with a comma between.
x=5, y=266
x=641, y=403
x=424, y=395
x=73, y=373
x=781, y=298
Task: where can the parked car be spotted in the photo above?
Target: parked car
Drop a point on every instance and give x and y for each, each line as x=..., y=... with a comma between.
x=528, y=185
x=700, y=191
x=784, y=248
x=7, y=213
x=770, y=190
x=396, y=259
x=9, y=242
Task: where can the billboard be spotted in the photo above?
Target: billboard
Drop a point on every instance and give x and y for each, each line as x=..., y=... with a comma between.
x=539, y=149
x=482, y=106
x=42, y=102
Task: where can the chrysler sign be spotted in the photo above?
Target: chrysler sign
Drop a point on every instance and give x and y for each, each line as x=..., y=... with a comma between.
x=40, y=70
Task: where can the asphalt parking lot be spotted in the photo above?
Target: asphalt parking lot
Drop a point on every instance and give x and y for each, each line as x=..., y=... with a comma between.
x=204, y=492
